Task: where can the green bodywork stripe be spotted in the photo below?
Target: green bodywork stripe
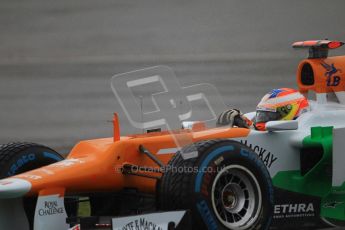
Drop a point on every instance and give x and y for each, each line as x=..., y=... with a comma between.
x=318, y=181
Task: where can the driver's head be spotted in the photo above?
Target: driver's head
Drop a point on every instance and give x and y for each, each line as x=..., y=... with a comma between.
x=280, y=104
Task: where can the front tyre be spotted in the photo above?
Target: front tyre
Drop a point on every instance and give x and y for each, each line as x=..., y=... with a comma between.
x=20, y=157
x=225, y=185
x=16, y=158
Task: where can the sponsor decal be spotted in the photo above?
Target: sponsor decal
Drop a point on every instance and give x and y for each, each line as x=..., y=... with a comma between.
x=155, y=221
x=50, y=208
x=23, y=160
x=331, y=70
x=294, y=210
x=266, y=156
x=46, y=171
x=29, y=176
x=50, y=213
x=52, y=156
x=208, y=177
x=332, y=204
x=141, y=223
x=67, y=163
x=206, y=215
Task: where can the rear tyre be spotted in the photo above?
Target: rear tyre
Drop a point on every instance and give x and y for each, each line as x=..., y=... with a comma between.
x=225, y=185
x=16, y=158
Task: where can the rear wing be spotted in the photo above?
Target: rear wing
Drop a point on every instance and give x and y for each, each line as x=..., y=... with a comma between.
x=317, y=48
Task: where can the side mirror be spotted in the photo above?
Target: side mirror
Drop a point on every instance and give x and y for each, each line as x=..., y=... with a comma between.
x=281, y=125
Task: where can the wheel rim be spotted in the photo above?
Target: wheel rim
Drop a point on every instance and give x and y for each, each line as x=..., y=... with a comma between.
x=236, y=197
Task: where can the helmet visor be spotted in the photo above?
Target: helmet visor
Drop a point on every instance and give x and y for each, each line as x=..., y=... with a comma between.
x=265, y=116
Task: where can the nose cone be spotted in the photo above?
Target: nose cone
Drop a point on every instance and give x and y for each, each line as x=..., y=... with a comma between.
x=13, y=187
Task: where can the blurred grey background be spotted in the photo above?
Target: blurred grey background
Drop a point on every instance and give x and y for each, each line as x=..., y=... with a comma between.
x=57, y=57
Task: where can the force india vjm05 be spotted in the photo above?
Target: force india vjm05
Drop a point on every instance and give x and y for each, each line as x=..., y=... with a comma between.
x=290, y=176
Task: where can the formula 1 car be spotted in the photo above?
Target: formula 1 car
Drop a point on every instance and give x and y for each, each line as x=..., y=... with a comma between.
x=290, y=176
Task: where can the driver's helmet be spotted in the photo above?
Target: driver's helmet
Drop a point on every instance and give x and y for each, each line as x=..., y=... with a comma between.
x=280, y=104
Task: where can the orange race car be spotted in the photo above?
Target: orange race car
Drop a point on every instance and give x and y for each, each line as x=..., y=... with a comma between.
x=228, y=177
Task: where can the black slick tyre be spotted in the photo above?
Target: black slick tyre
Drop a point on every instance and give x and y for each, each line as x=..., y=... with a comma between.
x=222, y=182
x=16, y=158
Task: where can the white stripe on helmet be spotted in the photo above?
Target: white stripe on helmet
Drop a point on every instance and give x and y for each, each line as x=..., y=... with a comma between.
x=289, y=97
